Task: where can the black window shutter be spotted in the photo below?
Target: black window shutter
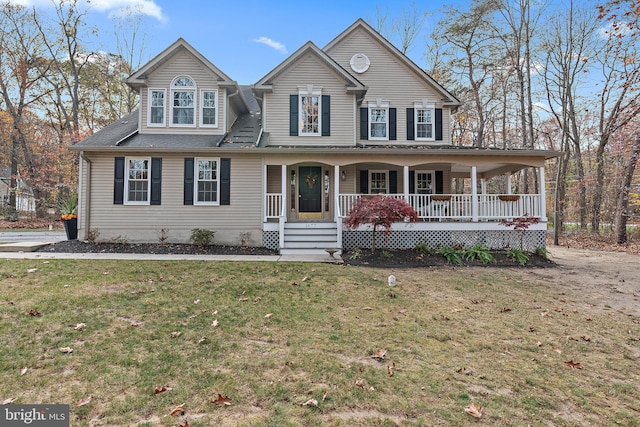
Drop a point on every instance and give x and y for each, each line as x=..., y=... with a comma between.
x=188, y=180
x=438, y=124
x=393, y=182
x=412, y=182
x=392, y=124
x=439, y=183
x=326, y=115
x=410, y=124
x=118, y=181
x=364, y=123
x=156, y=180
x=364, y=182
x=225, y=181
x=293, y=115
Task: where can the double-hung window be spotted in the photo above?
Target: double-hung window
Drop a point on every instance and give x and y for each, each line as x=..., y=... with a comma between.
x=379, y=121
x=424, y=121
x=137, y=180
x=207, y=182
x=378, y=182
x=209, y=108
x=156, y=111
x=309, y=112
x=183, y=102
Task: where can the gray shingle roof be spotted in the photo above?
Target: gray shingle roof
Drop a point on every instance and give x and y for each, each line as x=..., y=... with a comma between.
x=113, y=133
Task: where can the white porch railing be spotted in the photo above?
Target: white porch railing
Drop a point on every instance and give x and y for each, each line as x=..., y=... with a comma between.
x=452, y=207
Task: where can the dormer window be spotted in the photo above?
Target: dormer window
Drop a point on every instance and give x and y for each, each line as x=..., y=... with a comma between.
x=183, y=101
x=156, y=113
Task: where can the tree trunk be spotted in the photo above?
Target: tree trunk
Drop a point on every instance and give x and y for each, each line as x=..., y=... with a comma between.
x=623, y=196
x=599, y=187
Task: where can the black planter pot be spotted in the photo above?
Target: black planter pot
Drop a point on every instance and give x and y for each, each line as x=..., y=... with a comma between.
x=71, y=228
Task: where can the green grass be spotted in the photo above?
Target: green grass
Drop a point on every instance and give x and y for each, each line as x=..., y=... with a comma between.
x=456, y=336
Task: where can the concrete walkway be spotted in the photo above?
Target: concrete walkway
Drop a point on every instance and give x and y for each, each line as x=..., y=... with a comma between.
x=23, y=244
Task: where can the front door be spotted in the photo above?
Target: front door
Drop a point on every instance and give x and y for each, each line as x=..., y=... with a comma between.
x=310, y=191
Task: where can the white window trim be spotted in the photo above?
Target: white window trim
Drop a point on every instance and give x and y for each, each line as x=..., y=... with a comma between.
x=215, y=91
x=164, y=108
x=378, y=105
x=433, y=180
x=309, y=91
x=424, y=106
x=386, y=179
x=126, y=182
x=196, y=180
x=193, y=89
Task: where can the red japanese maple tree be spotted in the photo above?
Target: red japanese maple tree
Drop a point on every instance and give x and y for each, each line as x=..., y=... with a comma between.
x=379, y=211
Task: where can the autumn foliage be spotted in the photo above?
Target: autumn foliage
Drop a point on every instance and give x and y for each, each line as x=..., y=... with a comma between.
x=379, y=211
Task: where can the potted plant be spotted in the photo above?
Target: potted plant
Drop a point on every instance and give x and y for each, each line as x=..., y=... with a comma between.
x=68, y=207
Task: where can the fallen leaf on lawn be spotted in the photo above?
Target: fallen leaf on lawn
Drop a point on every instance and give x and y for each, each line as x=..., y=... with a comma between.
x=243, y=299
x=403, y=312
x=573, y=364
x=32, y=270
x=379, y=354
x=135, y=323
x=158, y=390
x=80, y=326
x=367, y=308
x=557, y=350
x=539, y=344
x=359, y=383
x=473, y=410
x=325, y=394
x=310, y=402
x=85, y=401
x=587, y=339
x=201, y=340
x=34, y=313
x=175, y=334
x=66, y=349
x=215, y=323
x=465, y=371
x=215, y=312
x=390, y=369
x=23, y=371
x=304, y=279
x=196, y=301
x=268, y=315
x=257, y=299
x=8, y=401
x=222, y=400
x=505, y=310
x=294, y=284
x=186, y=424
x=178, y=410
x=456, y=310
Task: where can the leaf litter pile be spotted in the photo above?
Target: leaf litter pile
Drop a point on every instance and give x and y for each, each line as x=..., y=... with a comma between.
x=200, y=344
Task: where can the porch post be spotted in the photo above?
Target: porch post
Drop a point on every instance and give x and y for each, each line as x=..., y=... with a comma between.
x=336, y=191
x=265, y=202
x=474, y=194
x=543, y=195
x=283, y=211
x=508, y=183
x=405, y=178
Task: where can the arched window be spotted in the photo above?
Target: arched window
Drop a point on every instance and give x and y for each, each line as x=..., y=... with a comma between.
x=183, y=101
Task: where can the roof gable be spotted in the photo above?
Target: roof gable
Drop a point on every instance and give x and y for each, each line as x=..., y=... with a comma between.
x=138, y=79
x=361, y=26
x=352, y=83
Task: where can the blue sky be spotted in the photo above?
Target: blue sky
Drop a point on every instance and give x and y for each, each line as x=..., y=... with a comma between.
x=248, y=38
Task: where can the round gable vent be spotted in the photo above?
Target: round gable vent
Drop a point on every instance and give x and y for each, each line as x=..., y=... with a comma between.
x=359, y=63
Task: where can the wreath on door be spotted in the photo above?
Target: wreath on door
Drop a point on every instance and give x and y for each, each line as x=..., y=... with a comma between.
x=311, y=180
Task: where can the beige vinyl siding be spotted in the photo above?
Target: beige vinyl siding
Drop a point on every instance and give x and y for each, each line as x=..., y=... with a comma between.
x=445, y=168
x=244, y=214
x=391, y=80
x=182, y=64
x=309, y=69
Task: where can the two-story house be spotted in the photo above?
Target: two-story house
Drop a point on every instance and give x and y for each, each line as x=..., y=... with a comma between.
x=279, y=164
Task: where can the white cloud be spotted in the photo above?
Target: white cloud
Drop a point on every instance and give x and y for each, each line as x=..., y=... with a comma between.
x=112, y=7
x=272, y=43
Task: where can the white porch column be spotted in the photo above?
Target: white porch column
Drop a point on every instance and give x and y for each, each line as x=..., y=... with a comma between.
x=474, y=194
x=265, y=203
x=283, y=210
x=543, y=195
x=405, y=178
x=509, y=183
x=336, y=190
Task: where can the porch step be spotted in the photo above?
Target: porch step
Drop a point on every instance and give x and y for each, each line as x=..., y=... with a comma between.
x=306, y=238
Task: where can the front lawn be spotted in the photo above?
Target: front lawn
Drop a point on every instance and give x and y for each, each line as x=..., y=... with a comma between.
x=274, y=336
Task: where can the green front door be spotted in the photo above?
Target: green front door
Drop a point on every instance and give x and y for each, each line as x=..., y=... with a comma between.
x=310, y=188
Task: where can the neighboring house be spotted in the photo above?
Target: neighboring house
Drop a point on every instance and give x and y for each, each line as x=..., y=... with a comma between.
x=25, y=200
x=279, y=164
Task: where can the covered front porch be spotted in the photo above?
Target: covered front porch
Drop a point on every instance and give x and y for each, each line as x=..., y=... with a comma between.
x=311, y=199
